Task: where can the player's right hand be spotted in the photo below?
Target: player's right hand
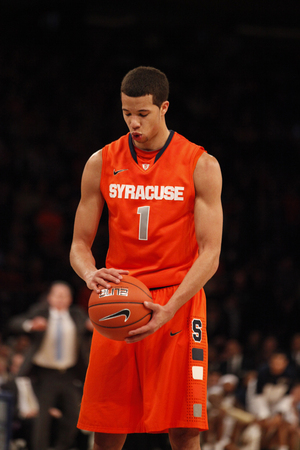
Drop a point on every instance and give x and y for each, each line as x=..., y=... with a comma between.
x=101, y=278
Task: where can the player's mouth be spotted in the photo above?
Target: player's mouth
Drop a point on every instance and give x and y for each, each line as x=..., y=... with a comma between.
x=136, y=136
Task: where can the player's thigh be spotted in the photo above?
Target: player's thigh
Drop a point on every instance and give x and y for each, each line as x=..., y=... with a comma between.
x=107, y=441
x=184, y=438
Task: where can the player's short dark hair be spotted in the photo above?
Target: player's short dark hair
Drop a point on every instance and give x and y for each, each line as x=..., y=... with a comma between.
x=143, y=81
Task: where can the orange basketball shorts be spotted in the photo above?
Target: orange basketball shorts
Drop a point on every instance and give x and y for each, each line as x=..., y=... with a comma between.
x=155, y=384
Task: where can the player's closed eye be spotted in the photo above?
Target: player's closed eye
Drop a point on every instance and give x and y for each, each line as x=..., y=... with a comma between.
x=141, y=115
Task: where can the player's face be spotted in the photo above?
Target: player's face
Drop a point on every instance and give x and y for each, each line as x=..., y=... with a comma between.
x=145, y=121
x=60, y=297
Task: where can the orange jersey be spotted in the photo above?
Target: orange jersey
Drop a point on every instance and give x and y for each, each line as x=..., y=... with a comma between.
x=151, y=210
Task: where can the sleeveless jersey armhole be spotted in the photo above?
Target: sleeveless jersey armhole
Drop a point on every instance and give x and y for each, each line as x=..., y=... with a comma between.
x=104, y=152
x=198, y=153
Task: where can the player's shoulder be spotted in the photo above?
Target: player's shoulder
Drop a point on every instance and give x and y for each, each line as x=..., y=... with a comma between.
x=94, y=163
x=207, y=173
x=207, y=165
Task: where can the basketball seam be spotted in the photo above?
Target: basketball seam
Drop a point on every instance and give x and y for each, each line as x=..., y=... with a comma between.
x=135, y=285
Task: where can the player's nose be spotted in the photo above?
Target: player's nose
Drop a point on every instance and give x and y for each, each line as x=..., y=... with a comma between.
x=134, y=123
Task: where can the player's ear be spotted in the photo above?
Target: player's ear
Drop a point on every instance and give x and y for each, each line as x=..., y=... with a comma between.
x=164, y=107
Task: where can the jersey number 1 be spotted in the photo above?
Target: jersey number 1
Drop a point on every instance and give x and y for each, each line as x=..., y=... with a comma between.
x=143, y=211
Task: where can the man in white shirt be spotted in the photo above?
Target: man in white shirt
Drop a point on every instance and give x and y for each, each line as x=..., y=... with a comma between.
x=56, y=362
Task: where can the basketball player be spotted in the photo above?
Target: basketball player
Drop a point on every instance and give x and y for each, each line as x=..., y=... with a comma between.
x=165, y=225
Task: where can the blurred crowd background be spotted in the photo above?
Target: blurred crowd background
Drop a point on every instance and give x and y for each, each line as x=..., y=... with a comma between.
x=234, y=89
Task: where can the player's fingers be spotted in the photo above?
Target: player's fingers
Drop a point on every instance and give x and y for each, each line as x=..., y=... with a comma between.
x=116, y=272
x=152, y=306
x=96, y=285
x=140, y=330
x=112, y=275
x=123, y=272
x=109, y=276
x=103, y=279
x=136, y=338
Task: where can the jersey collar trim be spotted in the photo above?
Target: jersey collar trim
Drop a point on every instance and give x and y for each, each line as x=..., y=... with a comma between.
x=159, y=154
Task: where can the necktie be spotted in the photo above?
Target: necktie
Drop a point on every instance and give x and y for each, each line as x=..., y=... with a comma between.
x=59, y=339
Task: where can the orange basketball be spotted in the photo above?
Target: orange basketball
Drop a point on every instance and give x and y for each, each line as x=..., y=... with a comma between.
x=116, y=311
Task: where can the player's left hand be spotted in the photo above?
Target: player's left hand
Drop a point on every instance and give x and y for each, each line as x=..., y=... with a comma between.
x=160, y=316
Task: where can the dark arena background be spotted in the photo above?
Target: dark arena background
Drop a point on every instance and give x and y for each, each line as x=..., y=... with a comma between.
x=233, y=68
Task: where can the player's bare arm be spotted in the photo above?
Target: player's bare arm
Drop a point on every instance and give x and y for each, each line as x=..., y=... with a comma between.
x=86, y=223
x=208, y=225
